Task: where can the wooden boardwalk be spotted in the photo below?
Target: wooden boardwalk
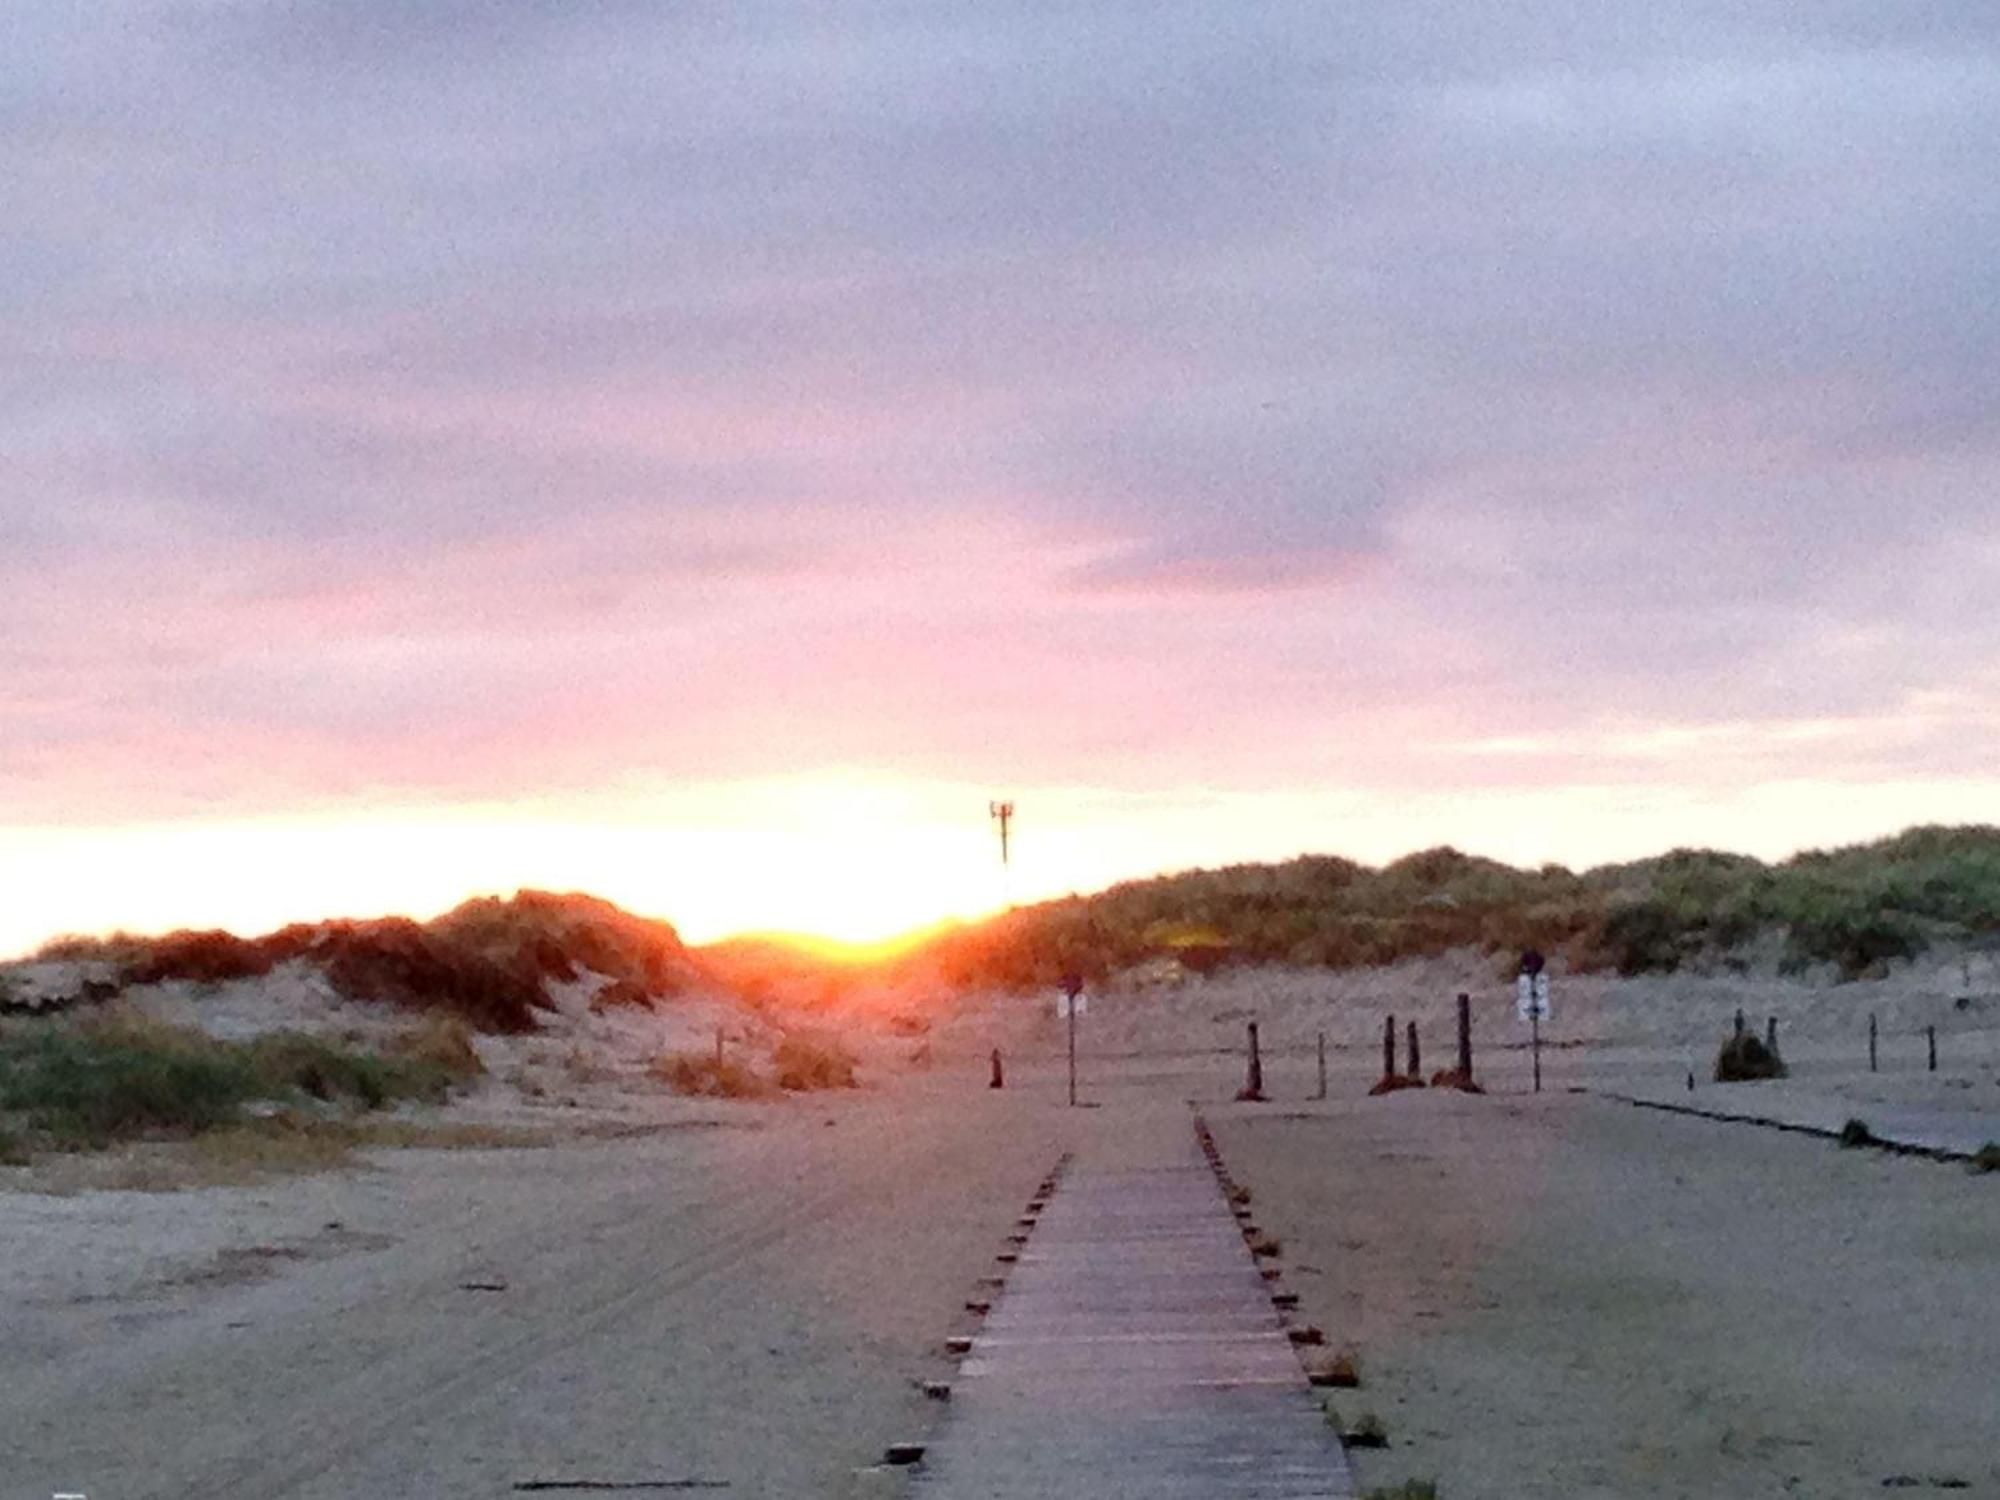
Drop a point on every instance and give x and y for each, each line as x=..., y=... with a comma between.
x=1135, y=1352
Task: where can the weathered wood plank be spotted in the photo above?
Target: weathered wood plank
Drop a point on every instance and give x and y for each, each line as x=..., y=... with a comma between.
x=1135, y=1352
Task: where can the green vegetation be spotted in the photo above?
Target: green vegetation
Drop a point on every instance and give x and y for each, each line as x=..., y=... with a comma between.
x=116, y=1077
x=1854, y=911
x=1985, y=1159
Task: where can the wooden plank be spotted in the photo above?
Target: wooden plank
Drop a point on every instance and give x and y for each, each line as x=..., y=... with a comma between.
x=1135, y=1352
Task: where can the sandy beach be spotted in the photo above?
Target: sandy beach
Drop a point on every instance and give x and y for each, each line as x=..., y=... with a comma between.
x=1554, y=1294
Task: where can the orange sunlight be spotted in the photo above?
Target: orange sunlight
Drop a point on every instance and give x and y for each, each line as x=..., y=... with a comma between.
x=854, y=866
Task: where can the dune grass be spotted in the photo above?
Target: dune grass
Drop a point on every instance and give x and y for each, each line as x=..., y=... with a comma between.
x=705, y=1075
x=117, y=1076
x=806, y=1062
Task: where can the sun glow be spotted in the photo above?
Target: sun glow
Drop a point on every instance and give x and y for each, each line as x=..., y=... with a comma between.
x=860, y=865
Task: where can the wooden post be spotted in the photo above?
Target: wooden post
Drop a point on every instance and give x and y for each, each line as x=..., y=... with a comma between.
x=1739, y=1020
x=1072, y=1049
x=1389, y=1047
x=1930, y=1032
x=1416, y=1057
x=999, y=1078
x=1771, y=1035
x=1253, y=1085
x=1322, y=1065
x=1871, y=1042
x=1465, y=1040
x=1535, y=1031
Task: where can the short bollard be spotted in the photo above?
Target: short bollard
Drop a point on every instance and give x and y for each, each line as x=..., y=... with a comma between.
x=1871, y=1042
x=1253, y=1083
x=1771, y=1035
x=1322, y=1066
x=1389, y=1047
x=999, y=1080
x=1416, y=1056
x=1930, y=1034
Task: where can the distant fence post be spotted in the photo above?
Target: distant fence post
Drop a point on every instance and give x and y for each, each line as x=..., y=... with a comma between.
x=1322, y=1065
x=1253, y=1087
x=1871, y=1042
x=1416, y=1057
x=1739, y=1020
x=1465, y=1041
x=999, y=1077
x=1930, y=1032
x=1389, y=1047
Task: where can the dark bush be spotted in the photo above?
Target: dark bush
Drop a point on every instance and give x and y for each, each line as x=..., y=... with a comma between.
x=1745, y=1058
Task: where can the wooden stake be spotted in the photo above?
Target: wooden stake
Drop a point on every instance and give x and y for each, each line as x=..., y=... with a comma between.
x=1871, y=1042
x=1389, y=1047
x=1253, y=1086
x=1465, y=1039
x=1322, y=1065
x=999, y=1077
x=1416, y=1057
x=1931, y=1033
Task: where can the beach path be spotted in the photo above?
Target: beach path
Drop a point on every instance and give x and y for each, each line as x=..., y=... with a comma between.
x=1135, y=1351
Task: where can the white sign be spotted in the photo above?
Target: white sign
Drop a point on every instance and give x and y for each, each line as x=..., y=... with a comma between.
x=1062, y=1006
x=1531, y=996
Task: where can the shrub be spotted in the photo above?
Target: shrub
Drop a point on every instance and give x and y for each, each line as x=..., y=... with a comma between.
x=86, y=1087
x=120, y=1076
x=1745, y=1058
x=807, y=1063
x=1856, y=1133
x=13, y=1150
x=1987, y=1158
x=444, y=1042
x=704, y=1074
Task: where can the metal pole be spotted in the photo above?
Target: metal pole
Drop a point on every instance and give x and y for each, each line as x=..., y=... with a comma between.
x=1322, y=1065
x=1931, y=1033
x=1535, y=1021
x=1389, y=1047
x=1871, y=1042
x=1253, y=1086
x=1416, y=1057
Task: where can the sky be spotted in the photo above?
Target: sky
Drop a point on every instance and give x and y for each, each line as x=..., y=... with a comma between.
x=703, y=453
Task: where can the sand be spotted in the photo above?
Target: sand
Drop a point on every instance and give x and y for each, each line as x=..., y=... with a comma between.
x=746, y=1303
x=1559, y=1295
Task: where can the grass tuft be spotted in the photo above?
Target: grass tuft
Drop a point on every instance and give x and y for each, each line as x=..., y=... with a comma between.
x=1744, y=1058
x=1987, y=1158
x=808, y=1062
x=705, y=1075
x=1856, y=1133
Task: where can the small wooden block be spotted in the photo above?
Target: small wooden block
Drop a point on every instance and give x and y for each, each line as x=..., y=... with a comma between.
x=903, y=1453
x=1008, y=1257
x=979, y=1305
x=1285, y=1299
x=958, y=1343
x=1269, y=1273
x=1305, y=1333
x=938, y=1390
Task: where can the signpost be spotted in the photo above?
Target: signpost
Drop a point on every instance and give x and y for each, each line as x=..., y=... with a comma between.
x=1531, y=1000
